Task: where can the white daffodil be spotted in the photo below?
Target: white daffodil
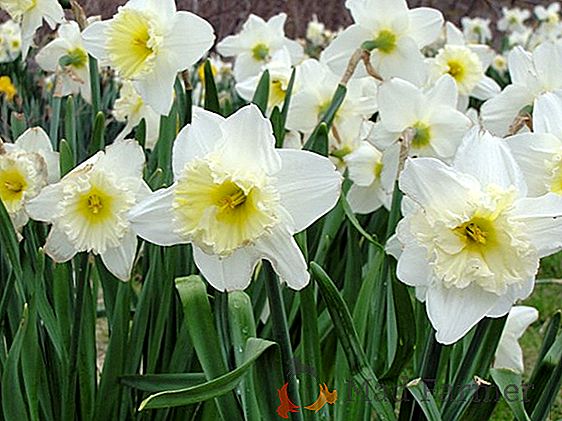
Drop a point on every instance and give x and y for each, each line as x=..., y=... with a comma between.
x=88, y=208
x=531, y=75
x=30, y=13
x=10, y=41
x=539, y=154
x=471, y=238
x=317, y=84
x=396, y=33
x=499, y=64
x=256, y=44
x=237, y=199
x=130, y=108
x=373, y=174
x=75, y=73
x=476, y=30
x=437, y=126
x=467, y=64
x=280, y=71
x=513, y=20
x=509, y=353
x=316, y=32
x=146, y=42
x=26, y=166
x=548, y=14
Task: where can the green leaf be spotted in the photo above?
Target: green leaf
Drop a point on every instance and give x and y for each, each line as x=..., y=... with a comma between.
x=215, y=388
x=337, y=101
x=205, y=339
x=156, y=383
x=211, y=96
x=18, y=124
x=360, y=369
x=261, y=96
x=95, y=87
x=509, y=383
x=98, y=134
x=66, y=158
x=9, y=241
x=70, y=126
x=425, y=399
x=318, y=140
x=357, y=225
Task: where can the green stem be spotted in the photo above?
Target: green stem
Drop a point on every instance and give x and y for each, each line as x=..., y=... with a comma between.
x=95, y=87
x=281, y=333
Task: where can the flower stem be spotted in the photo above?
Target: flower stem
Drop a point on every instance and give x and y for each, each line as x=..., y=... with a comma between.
x=281, y=334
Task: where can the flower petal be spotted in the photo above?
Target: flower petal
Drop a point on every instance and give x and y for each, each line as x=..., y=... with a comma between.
x=119, y=260
x=44, y=207
x=124, y=158
x=499, y=112
x=58, y=247
x=425, y=25
x=546, y=114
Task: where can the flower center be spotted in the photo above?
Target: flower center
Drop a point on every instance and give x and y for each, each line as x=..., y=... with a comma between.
x=463, y=65
x=95, y=205
x=456, y=69
x=422, y=135
x=260, y=52
x=473, y=232
x=77, y=58
x=220, y=212
x=131, y=43
x=12, y=185
x=276, y=93
x=385, y=42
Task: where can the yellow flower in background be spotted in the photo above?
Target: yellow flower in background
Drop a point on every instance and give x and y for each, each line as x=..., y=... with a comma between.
x=7, y=88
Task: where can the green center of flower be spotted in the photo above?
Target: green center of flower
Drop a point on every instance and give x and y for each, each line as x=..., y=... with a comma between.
x=477, y=232
x=230, y=197
x=260, y=52
x=422, y=135
x=377, y=169
x=385, y=42
x=76, y=57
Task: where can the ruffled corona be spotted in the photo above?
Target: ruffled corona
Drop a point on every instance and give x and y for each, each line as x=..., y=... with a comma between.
x=222, y=211
x=463, y=65
x=93, y=212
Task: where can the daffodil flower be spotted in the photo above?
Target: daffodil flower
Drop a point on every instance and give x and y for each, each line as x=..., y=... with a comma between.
x=26, y=166
x=373, y=174
x=509, y=353
x=531, y=76
x=280, y=72
x=30, y=13
x=431, y=114
x=237, y=199
x=131, y=109
x=513, y=20
x=256, y=44
x=10, y=41
x=88, y=208
x=146, y=42
x=75, y=72
x=467, y=65
x=471, y=237
x=395, y=34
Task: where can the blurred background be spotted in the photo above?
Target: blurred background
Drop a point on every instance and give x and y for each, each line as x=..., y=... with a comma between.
x=228, y=15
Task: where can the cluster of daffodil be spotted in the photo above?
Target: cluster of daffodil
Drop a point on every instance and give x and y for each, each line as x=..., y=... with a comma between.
x=404, y=143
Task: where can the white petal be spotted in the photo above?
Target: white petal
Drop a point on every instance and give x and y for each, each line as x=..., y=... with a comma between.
x=281, y=249
x=398, y=101
x=413, y=268
x=543, y=218
x=188, y=50
x=196, y=139
x=499, y=112
x=431, y=183
x=49, y=56
x=364, y=200
x=58, y=247
x=153, y=218
x=548, y=59
x=124, y=158
x=454, y=35
x=520, y=64
x=425, y=25
x=94, y=39
x=487, y=88
x=119, y=260
x=444, y=92
x=157, y=88
x=249, y=142
x=547, y=114
x=406, y=62
x=44, y=207
x=489, y=160
x=340, y=50
x=230, y=273
x=309, y=186
x=453, y=312
x=382, y=138
x=36, y=140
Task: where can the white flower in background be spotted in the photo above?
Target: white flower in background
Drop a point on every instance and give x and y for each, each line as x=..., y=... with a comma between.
x=237, y=199
x=256, y=44
x=471, y=239
x=431, y=115
x=280, y=71
x=531, y=75
x=499, y=64
x=76, y=71
x=130, y=108
x=513, y=20
x=26, y=166
x=539, y=154
x=146, y=42
x=89, y=207
x=315, y=32
x=317, y=84
x=10, y=41
x=549, y=15
x=219, y=68
x=397, y=32
x=522, y=38
x=30, y=14
x=467, y=64
x=509, y=353
x=373, y=174
x=476, y=30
